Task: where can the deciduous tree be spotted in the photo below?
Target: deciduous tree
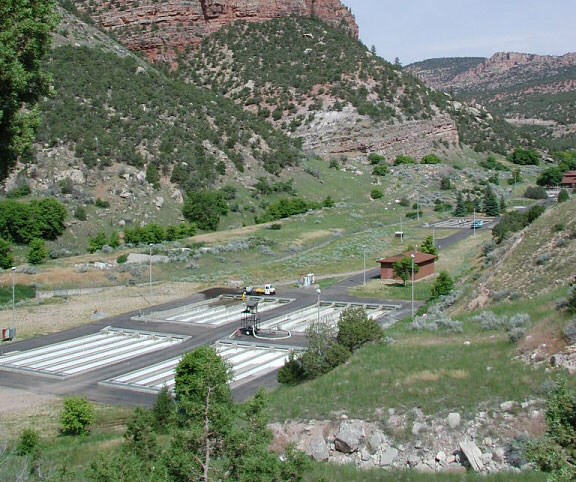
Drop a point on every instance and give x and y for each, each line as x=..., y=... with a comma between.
x=403, y=269
x=25, y=33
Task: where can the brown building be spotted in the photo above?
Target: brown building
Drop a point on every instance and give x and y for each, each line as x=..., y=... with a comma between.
x=425, y=263
x=569, y=180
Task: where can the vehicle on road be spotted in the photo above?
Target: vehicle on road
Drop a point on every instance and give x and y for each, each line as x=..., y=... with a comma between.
x=260, y=290
x=478, y=223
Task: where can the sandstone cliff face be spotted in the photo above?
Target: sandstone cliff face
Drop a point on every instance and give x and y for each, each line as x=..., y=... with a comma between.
x=334, y=134
x=163, y=29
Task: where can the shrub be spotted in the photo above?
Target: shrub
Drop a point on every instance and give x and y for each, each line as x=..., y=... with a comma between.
x=555, y=453
x=37, y=252
x=489, y=321
x=414, y=214
x=66, y=185
x=101, y=203
x=122, y=258
x=375, y=158
x=355, y=329
x=6, y=257
x=535, y=192
x=19, y=191
x=563, y=196
x=431, y=159
x=77, y=415
x=328, y=202
x=376, y=194
x=80, y=213
x=571, y=303
x=401, y=159
x=380, y=170
x=525, y=157
x=28, y=443
x=445, y=184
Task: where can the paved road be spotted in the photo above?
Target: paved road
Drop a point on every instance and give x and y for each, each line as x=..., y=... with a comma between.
x=87, y=383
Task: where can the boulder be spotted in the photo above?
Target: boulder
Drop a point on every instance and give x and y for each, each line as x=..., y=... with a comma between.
x=349, y=436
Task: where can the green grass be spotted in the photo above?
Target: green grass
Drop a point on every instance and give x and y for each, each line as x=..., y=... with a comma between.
x=422, y=291
x=439, y=376
x=349, y=473
x=21, y=292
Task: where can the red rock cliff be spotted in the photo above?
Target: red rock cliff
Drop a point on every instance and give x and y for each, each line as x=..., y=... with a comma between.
x=161, y=29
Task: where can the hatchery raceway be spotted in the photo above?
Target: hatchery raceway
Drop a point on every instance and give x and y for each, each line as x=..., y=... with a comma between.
x=126, y=359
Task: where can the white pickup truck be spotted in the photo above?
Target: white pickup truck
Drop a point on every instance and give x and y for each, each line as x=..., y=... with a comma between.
x=260, y=290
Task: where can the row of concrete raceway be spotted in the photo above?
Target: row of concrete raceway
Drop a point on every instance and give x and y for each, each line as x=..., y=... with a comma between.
x=129, y=358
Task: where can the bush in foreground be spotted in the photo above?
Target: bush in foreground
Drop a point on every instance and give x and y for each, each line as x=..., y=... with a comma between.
x=77, y=415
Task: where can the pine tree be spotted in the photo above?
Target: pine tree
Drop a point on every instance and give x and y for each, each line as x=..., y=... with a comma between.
x=490, y=205
x=460, y=210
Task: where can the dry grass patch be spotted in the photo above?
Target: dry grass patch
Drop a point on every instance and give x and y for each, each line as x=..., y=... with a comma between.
x=428, y=376
x=22, y=409
x=57, y=314
x=546, y=336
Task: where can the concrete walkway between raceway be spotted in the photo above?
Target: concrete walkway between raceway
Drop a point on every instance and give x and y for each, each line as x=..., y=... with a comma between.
x=127, y=358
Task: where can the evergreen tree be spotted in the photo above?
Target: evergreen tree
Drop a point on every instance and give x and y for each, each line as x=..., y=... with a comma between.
x=490, y=205
x=428, y=246
x=442, y=286
x=460, y=209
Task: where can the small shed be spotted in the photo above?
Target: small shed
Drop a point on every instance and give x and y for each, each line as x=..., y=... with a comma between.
x=424, y=261
x=569, y=180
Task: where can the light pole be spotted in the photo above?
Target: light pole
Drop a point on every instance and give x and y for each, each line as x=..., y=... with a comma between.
x=401, y=232
x=150, y=271
x=474, y=223
x=364, y=263
x=412, y=298
x=13, y=295
x=318, y=292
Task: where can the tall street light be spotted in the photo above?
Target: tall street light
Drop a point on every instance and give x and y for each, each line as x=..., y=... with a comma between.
x=150, y=271
x=474, y=223
x=13, y=295
x=412, y=259
x=364, y=263
x=318, y=292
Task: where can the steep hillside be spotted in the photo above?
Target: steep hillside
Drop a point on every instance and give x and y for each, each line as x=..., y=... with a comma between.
x=163, y=30
x=439, y=73
x=321, y=85
x=537, y=260
x=537, y=93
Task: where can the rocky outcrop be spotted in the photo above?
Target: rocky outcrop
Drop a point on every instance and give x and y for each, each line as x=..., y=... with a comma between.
x=163, y=29
x=334, y=134
x=439, y=444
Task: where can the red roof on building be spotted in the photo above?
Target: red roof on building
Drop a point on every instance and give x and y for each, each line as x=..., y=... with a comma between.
x=569, y=177
x=418, y=257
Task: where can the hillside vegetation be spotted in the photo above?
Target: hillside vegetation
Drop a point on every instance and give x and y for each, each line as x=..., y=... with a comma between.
x=535, y=93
